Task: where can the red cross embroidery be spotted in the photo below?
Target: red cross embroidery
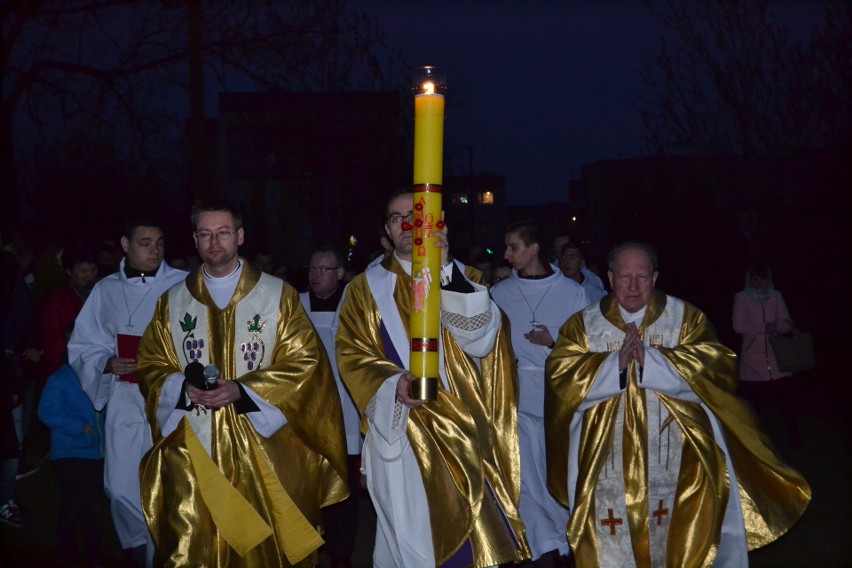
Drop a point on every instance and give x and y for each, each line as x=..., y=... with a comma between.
x=611, y=522
x=660, y=513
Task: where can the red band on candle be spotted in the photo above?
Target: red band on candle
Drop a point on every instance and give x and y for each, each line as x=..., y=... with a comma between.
x=428, y=188
x=424, y=344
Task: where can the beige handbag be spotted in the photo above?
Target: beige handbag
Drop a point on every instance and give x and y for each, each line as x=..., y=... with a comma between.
x=794, y=351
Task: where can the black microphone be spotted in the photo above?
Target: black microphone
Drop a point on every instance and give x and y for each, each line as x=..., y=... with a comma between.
x=194, y=373
x=211, y=376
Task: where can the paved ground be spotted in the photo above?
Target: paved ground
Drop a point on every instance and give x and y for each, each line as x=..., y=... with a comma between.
x=823, y=538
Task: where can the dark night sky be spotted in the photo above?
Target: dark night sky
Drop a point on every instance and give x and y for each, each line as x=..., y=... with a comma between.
x=538, y=88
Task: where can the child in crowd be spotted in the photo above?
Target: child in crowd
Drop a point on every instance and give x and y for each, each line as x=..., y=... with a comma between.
x=76, y=450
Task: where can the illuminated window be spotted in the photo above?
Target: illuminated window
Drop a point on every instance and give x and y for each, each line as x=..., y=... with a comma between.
x=486, y=198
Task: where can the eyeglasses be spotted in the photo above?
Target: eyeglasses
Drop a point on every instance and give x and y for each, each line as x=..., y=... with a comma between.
x=321, y=269
x=397, y=219
x=221, y=236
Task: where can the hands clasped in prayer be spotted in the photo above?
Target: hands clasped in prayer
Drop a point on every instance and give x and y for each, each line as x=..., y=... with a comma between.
x=632, y=350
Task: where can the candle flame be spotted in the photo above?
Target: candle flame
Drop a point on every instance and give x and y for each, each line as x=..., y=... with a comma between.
x=428, y=88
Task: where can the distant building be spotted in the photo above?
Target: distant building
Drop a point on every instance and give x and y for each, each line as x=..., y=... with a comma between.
x=555, y=217
x=475, y=212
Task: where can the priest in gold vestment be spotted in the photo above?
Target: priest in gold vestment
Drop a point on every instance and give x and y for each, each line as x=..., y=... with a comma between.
x=237, y=474
x=443, y=474
x=658, y=460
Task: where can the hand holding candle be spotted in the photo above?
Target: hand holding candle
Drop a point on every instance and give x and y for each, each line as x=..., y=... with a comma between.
x=441, y=240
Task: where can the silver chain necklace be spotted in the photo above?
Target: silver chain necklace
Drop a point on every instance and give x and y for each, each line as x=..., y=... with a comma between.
x=534, y=323
x=130, y=325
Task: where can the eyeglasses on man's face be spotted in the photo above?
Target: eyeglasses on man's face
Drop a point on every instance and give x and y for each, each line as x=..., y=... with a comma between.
x=321, y=269
x=222, y=235
x=397, y=219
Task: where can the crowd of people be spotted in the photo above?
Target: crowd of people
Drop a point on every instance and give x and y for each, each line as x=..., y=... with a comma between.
x=233, y=421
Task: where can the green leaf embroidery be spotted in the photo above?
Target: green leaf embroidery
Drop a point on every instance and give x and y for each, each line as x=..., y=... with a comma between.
x=188, y=323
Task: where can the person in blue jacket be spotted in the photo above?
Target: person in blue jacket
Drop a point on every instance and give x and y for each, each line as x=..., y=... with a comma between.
x=76, y=450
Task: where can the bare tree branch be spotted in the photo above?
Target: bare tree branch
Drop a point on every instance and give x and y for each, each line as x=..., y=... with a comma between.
x=116, y=70
x=736, y=82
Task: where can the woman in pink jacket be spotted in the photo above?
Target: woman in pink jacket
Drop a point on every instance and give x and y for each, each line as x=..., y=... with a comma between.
x=759, y=312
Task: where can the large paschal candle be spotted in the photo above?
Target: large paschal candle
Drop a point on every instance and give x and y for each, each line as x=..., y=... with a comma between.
x=429, y=86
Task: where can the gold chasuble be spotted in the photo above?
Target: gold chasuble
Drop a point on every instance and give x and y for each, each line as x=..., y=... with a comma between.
x=464, y=442
x=649, y=471
x=216, y=492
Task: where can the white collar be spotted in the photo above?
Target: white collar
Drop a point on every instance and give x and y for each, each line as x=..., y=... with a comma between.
x=222, y=288
x=632, y=316
x=405, y=264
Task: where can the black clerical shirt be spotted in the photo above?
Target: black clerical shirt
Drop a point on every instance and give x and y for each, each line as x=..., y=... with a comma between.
x=325, y=304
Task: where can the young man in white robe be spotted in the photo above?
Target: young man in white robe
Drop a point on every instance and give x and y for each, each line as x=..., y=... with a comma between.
x=537, y=300
x=102, y=351
x=560, y=241
x=661, y=464
x=571, y=263
x=443, y=474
